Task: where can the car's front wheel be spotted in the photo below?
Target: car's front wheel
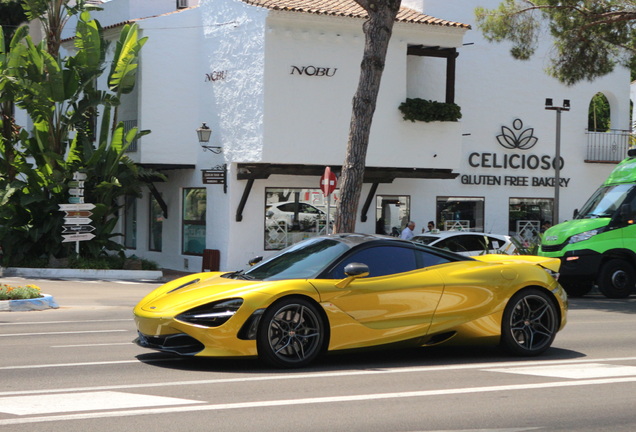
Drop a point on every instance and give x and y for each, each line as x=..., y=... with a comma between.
x=530, y=322
x=291, y=333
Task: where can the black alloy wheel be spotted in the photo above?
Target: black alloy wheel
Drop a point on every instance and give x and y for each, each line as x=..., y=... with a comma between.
x=291, y=333
x=530, y=322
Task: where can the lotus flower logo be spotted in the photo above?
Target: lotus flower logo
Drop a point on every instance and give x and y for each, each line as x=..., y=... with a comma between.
x=510, y=140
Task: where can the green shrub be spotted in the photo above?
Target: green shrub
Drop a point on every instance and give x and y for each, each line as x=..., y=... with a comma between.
x=428, y=110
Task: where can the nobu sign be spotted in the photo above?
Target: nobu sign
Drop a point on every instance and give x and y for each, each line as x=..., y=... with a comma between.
x=313, y=71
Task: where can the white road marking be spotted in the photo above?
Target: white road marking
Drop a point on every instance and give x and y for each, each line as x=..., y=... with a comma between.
x=62, y=322
x=316, y=400
x=74, y=402
x=61, y=333
x=583, y=371
x=91, y=345
x=284, y=376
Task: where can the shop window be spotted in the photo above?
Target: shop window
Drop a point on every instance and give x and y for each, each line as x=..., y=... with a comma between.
x=130, y=222
x=529, y=216
x=392, y=214
x=155, y=225
x=194, y=209
x=294, y=214
x=460, y=213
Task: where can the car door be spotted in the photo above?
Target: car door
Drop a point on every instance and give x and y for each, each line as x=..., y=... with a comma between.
x=399, y=295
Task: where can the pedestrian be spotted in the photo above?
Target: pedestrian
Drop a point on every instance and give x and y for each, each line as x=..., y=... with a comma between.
x=430, y=226
x=407, y=233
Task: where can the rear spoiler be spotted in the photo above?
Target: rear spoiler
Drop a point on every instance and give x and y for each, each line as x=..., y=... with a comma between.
x=552, y=264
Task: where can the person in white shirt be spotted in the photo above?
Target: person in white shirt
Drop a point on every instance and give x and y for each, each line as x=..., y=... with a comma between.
x=407, y=233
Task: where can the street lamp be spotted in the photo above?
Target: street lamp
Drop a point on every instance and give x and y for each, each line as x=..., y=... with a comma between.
x=204, y=133
x=557, y=158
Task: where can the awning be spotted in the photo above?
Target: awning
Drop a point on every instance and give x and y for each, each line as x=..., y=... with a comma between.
x=374, y=175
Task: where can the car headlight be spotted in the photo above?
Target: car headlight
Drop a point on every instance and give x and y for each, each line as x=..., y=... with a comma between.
x=212, y=314
x=583, y=236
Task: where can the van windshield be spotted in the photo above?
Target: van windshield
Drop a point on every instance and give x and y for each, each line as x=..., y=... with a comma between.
x=605, y=201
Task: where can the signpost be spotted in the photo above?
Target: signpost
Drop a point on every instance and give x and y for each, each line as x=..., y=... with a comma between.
x=77, y=222
x=328, y=183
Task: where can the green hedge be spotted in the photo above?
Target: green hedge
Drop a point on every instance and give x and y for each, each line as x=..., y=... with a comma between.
x=428, y=110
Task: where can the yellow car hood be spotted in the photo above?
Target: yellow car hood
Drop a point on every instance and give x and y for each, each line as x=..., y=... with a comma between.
x=197, y=289
x=552, y=264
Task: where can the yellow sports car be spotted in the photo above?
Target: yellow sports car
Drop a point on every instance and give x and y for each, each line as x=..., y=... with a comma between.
x=349, y=291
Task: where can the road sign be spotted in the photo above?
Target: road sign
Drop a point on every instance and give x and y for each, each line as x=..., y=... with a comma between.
x=76, y=200
x=328, y=182
x=77, y=221
x=77, y=229
x=77, y=207
x=79, y=176
x=77, y=237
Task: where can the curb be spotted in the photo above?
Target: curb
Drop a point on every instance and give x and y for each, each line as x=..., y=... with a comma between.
x=40, y=303
x=48, y=273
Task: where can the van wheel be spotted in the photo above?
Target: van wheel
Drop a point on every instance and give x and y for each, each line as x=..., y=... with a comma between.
x=616, y=279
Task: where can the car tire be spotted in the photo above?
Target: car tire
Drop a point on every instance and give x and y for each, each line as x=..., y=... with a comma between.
x=616, y=279
x=530, y=322
x=576, y=287
x=291, y=333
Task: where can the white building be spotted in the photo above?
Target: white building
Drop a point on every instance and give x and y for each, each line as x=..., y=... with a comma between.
x=274, y=80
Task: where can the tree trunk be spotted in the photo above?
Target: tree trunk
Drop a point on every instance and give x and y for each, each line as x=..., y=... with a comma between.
x=377, y=30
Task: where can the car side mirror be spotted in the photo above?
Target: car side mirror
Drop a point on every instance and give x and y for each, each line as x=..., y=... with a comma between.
x=255, y=260
x=575, y=214
x=353, y=271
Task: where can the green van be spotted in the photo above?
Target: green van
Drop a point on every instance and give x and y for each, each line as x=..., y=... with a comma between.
x=599, y=244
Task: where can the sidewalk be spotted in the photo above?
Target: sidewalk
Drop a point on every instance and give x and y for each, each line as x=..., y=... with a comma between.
x=90, y=293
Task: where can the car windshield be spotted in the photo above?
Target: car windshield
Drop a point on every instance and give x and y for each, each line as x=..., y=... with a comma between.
x=605, y=201
x=304, y=260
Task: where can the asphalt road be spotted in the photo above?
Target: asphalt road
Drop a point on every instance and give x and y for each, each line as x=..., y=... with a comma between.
x=75, y=369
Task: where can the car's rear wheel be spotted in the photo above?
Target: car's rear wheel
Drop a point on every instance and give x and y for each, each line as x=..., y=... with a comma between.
x=530, y=322
x=291, y=333
x=616, y=279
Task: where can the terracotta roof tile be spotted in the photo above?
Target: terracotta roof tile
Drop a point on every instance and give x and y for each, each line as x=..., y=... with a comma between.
x=348, y=8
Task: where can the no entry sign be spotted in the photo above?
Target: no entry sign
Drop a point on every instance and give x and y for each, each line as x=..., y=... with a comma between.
x=328, y=182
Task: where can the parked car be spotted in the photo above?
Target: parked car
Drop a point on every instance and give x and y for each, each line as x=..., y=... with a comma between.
x=345, y=291
x=305, y=214
x=468, y=243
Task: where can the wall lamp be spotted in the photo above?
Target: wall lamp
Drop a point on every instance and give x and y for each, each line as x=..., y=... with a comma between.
x=204, y=133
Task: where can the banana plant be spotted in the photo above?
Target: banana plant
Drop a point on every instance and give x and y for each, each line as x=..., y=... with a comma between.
x=61, y=97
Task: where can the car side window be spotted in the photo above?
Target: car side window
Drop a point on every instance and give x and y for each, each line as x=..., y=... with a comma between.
x=382, y=261
x=495, y=243
x=471, y=243
x=427, y=259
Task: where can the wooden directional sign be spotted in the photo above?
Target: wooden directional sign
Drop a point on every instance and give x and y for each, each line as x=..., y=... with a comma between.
x=78, y=213
x=77, y=207
x=79, y=176
x=77, y=221
x=77, y=229
x=76, y=200
x=76, y=184
x=77, y=237
x=76, y=191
